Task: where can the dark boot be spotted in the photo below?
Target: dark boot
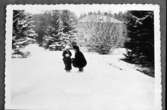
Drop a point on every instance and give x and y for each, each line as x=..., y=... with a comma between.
x=81, y=69
x=68, y=68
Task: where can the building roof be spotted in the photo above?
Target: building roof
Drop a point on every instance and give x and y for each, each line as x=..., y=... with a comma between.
x=99, y=18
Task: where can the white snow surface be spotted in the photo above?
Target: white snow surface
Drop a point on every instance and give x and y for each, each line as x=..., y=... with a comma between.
x=40, y=82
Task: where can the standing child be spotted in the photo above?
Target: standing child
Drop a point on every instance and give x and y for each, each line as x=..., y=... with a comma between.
x=67, y=59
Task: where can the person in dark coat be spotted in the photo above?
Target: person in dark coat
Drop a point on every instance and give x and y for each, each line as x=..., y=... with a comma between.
x=67, y=59
x=79, y=60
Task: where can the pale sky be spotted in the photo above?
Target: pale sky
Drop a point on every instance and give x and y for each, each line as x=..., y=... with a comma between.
x=79, y=9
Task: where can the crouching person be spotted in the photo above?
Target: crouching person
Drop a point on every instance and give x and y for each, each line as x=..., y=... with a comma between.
x=79, y=60
x=67, y=59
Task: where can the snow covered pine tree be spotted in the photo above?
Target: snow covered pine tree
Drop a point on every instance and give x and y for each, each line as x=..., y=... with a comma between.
x=23, y=33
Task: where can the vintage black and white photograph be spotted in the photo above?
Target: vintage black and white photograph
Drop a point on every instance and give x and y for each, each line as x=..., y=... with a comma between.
x=83, y=57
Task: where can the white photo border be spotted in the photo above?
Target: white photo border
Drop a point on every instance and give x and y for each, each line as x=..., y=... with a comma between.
x=147, y=7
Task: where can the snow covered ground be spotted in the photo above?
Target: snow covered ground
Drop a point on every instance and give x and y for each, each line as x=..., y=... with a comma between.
x=107, y=83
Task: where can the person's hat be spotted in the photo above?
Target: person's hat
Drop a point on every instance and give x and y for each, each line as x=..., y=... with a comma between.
x=75, y=47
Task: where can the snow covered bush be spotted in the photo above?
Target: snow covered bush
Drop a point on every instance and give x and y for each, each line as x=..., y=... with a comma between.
x=101, y=33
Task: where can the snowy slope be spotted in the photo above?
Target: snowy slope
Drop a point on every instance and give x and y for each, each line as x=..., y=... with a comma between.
x=106, y=84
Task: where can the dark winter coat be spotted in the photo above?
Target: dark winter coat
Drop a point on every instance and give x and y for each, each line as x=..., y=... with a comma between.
x=79, y=60
x=67, y=60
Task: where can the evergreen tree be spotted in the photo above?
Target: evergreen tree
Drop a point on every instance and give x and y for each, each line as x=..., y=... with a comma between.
x=40, y=23
x=141, y=33
x=69, y=21
x=48, y=27
x=55, y=28
x=23, y=33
